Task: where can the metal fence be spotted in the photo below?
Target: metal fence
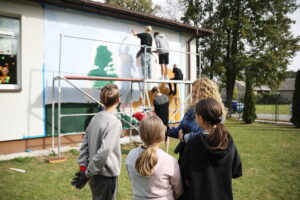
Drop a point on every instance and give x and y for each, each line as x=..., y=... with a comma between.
x=270, y=112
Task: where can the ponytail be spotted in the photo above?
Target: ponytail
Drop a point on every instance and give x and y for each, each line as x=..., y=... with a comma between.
x=152, y=132
x=218, y=139
x=146, y=162
x=212, y=111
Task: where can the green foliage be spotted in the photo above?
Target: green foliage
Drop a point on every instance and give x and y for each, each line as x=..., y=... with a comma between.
x=144, y=6
x=249, y=102
x=267, y=98
x=235, y=93
x=296, y=102
x=249, y=36
x=290, y=74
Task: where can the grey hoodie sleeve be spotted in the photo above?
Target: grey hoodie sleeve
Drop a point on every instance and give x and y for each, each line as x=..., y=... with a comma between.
x=83, y=159
x=157, y=41
x=110, y=136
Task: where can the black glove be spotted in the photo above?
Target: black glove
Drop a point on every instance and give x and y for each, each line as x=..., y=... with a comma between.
x=80, y=180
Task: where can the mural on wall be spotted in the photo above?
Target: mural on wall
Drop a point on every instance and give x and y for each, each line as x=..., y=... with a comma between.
x=105, y=67
x=114, y=55
x=101, y=46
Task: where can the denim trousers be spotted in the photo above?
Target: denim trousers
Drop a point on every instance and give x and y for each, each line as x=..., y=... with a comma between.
x=146, y=65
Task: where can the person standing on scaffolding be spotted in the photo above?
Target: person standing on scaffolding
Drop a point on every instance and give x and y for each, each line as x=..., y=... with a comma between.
x=163, y=53
x=145, y=52
x=177, y=76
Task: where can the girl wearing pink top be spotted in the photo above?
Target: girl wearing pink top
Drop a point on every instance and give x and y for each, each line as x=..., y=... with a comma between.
x=154, y=174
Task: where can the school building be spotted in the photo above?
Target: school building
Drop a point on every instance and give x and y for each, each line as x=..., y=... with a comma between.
x=41, y=38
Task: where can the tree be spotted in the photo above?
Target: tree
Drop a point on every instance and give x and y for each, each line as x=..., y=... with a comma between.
x=171, y=9
x=296, y=102
x=291, y=74
x=144, y=6
x=249, y=101
x=250, y=35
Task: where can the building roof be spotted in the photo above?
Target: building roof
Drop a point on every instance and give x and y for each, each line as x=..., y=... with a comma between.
x=104, y=9
x=288, y=84
x=260, y=88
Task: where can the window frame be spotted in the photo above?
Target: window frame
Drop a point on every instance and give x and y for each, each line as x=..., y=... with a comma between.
x=4, y=34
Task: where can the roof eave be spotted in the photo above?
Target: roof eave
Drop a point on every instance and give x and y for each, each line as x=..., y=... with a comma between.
x=103, y=9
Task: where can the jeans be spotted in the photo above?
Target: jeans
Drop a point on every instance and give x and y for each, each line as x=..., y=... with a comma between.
x=146, y=65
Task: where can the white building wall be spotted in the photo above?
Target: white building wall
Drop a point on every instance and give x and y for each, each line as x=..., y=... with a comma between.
x=22, y=112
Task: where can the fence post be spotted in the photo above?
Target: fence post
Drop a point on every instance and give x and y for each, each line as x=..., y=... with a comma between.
x=276, y=111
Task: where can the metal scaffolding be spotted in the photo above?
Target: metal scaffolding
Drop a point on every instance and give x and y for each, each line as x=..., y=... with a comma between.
x=67, y=79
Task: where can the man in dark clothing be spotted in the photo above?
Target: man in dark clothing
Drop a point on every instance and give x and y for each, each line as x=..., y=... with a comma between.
x=146, y=40
x=161, y=105
x=177, y=76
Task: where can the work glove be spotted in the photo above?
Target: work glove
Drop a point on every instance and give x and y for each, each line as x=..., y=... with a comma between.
x=80, y=179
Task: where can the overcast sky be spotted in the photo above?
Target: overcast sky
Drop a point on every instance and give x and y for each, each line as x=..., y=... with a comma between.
x=295, y=62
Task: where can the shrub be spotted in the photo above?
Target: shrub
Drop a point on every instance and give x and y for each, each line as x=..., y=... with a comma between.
x=249, y=102
x=296, y=102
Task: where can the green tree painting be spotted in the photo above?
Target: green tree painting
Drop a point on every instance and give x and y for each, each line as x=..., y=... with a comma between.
x=105, y=68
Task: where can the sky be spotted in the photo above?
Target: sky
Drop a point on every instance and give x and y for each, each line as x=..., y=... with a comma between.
x=294, y=62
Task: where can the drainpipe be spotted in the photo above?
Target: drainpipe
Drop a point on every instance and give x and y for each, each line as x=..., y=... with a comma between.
x=189, y=55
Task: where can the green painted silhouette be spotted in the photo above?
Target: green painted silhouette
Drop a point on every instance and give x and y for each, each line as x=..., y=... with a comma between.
x=102, y=60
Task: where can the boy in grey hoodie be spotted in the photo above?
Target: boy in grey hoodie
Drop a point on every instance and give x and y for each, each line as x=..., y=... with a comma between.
x=163, y=53
x=100, y=153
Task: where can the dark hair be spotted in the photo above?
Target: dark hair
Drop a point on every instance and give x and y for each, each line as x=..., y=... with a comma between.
x=155, y=34
x=155, y=89
x=110, y=95
x=211, y=112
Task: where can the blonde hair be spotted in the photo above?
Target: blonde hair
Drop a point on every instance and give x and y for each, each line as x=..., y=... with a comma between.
x=110, y=95
x=206, y=88
x=152, y=131
x=148, y=28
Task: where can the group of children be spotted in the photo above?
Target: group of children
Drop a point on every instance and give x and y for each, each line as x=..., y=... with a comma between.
x=210, y=160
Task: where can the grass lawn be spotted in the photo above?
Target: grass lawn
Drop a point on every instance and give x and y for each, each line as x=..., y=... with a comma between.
x=270, y=155
x=270, y=109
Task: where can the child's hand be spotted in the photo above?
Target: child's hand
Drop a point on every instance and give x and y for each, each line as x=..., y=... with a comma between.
x=180, y=135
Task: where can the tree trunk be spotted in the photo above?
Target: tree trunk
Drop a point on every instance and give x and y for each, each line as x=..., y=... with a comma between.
x=230, y=82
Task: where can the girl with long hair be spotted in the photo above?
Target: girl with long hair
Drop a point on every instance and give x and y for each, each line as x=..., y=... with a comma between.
x=210, y=160
x=154, y=174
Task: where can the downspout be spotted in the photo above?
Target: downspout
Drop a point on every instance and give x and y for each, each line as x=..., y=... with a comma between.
x=189, y=55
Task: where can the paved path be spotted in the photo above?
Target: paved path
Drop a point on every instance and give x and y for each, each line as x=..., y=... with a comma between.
x=124, y=140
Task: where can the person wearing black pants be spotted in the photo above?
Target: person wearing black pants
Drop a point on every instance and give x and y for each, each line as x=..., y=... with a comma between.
x=177, y=76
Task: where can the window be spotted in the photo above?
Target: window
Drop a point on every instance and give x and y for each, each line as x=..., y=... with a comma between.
x=9, y=54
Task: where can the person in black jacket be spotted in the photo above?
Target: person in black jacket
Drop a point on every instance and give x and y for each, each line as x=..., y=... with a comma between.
x=161, y=106
x=210, y=159
x=177, y=76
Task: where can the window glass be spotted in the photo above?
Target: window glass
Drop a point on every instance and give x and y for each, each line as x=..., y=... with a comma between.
x=8, y=61
x=9, y=45
x=9, y=25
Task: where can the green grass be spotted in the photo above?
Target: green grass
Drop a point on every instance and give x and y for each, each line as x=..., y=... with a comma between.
x=270, y=155
x=271, y=109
